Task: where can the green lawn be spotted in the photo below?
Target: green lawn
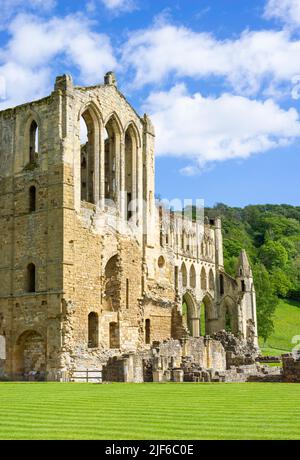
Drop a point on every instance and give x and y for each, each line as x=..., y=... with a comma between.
x=287, y=325
x=149, y=411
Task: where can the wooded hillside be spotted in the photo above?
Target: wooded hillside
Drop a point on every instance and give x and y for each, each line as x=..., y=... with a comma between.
x=271, y=236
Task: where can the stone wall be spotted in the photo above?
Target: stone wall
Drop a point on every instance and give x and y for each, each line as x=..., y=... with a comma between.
x=129, y=368
x=291, y=367
x=161, y=362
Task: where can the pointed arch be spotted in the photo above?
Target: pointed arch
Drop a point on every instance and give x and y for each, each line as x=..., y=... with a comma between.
x=89, y=153
x=111, y=266
x=114, y=117
x=211, y=281
x=203, y=279
x=229, y=311
x=31, y=133
x=131, y=125
x=93, y=108
x=112, y=144
x=183, y=272
x=207, y=314
x=131, y=161
x=190, y=317
x=192, y=277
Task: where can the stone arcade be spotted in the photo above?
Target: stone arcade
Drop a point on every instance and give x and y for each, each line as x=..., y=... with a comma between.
x=86, y=279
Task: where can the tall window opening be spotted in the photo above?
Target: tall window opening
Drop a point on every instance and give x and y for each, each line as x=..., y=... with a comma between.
x=112, y=142
x=33, y=141
x=147, y=331
x=130, y=173
x=127, y=293
x=32, y=199
x=87, y=156
x=222, y=285
x=93, y=330
x=31, y=278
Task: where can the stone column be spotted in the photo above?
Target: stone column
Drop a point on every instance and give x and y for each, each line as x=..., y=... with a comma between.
x=102, y=169
x=96, y=155
x=121, y=197
x=196, y=328
x=139, y=190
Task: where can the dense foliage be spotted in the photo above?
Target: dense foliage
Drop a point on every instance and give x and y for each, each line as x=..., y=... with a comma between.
x=271, y=236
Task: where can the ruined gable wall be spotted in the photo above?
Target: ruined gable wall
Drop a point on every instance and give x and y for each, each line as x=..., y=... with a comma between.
x=88, y=243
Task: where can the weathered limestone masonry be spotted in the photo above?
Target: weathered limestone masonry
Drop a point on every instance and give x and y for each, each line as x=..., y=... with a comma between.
x=91, y=267
x=193, y=359
x=291, y=367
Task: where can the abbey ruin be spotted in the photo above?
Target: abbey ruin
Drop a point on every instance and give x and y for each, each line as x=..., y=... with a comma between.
x=94, y=272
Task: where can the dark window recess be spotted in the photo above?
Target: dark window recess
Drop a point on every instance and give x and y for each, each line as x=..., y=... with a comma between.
x=148, y=331
x=32, y=199
x=222, y=285
x=31, y=275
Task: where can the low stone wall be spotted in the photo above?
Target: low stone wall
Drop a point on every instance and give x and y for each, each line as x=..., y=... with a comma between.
x=291, y=367
x=238, y=352
x=126, y=368
x=165, y=360
x=205, y=352
x=199, y=359
x=268, y=359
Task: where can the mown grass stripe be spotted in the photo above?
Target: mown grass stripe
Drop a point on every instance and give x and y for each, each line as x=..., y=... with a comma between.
x=149, y=411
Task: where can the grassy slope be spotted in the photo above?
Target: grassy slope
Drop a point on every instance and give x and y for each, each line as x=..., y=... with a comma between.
x=149, y=411
x=287, y=325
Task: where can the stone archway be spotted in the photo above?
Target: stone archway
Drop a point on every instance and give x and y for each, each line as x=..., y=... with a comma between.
x=190, y=315
x=230, y=320
x=29, y=357
x=111, y=284
x=90, y=135
x=207, y=315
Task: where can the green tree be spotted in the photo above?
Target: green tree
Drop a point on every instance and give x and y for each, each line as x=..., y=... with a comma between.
x=281, y=282
x=273, y=254
x=267, y=300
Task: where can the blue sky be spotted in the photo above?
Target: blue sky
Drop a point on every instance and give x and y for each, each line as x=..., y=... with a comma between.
x=220, y=78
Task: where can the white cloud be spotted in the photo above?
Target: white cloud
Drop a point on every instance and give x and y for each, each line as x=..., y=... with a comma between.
x=216, y=129
x=288, y=11
x=35, y=47
x=254, y=61
x=10, y=8
x=119, y=5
